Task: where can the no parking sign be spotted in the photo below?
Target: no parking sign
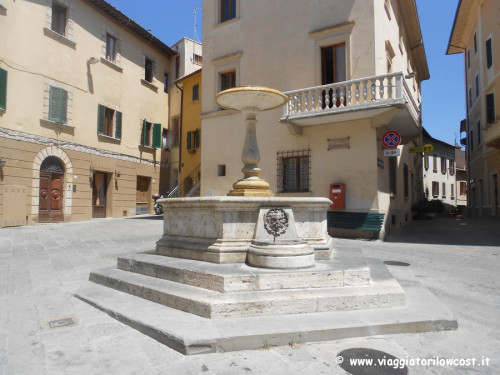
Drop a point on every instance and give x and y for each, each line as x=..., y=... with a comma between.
x=391, y=139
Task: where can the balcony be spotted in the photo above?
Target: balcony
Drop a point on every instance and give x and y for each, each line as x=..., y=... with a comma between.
x=493, y=135
x=387, y=98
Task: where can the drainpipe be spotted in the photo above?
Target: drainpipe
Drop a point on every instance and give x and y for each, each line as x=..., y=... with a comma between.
x=467, y=148
x=180, y=133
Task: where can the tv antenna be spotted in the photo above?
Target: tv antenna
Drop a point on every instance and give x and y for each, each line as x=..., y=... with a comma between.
x=195, y=36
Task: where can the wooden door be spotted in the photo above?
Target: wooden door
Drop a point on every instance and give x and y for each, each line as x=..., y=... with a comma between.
x=50, y=208
x=99, y=190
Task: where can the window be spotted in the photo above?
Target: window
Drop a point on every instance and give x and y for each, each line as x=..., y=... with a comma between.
x=489, y=54
x=151, y=134
x=58, y=18
x=426, y=162
x=197, y=59
x=478, y=132
x=193, y=140
x=468, y=59
x=293, y=171
x=109, y=122
x=390, y=54
x=443, y=165
x=475, y=44
x=227, y=10
x=405, y=182
x=227, y=80
x=471, y=140
x=221, y=170
x=435, y=188
x=175, y=132
x=58, y=105
x=3, y=89
x=333, y=70
x=393, y=176
x=387, y=7
x=196, y=92
x=165, y=82
x=444, y=190
x=110, y=48
x=463, y=188
x=148, y=70
x=452, y=191
x=452, y=167
x=477, y=86
x=434, y=164
x=490, y=108
x=177, y=66
x=470, y=97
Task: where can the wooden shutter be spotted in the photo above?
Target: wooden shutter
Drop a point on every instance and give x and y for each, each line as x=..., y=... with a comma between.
x=64, y=107
x=3, y=89
x=118, y=125
x=156, y=135
x=101, y=115
x=55, y=104
x=188, y=141
x=144, y=134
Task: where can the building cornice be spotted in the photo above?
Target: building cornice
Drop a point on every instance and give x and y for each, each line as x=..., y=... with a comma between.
x=50, y=142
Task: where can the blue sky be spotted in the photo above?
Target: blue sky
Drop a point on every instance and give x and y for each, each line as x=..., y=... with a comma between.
x=443, y=104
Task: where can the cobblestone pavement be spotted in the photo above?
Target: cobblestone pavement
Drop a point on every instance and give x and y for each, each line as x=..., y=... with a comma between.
x=41, y=266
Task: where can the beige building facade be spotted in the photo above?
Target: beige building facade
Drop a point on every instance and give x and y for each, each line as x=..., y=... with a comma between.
x=476, y=34
x=83, y=109
x=352, y=72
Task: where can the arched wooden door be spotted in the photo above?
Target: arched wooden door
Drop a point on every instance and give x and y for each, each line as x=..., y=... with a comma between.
x=51, y=193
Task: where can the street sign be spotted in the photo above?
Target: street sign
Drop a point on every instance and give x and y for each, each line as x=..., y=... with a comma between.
x=392, y=152
x=428, y=149
x=416, y=150
x=391, y=139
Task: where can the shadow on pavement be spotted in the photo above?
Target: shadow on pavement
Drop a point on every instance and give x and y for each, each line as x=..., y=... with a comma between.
x=146, y=217
x=450, y=231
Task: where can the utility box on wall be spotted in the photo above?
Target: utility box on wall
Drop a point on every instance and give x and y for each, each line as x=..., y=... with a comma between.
x=337, y=196
x=14, y=205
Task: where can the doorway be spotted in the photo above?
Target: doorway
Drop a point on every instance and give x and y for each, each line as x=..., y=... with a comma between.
x=51, y=191
x=99, y=193
x=143, y=193
x=333, y=70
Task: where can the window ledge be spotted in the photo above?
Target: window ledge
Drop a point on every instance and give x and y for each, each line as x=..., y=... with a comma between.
x=227, y=22
x=58, y=37
x=44, y=121
x=149, y=85
x=111, y=65
x=108, y=138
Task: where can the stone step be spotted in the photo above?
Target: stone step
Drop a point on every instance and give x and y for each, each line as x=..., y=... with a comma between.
x=382, y=293
x=346, y=269
x=190, y=334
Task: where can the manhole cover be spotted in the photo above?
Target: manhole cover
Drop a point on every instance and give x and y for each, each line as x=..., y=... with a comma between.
x=396, y=263
x=61, y=323
x=363, y=361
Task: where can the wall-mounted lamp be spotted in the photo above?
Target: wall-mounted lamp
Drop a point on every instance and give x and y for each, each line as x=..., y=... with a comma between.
x=411, y=75
x=2, y=162
x=92, y=61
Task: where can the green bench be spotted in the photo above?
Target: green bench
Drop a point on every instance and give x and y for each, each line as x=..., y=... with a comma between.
x=368, y=221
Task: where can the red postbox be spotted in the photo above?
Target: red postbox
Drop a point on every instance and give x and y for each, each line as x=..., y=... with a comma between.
x=337, y=196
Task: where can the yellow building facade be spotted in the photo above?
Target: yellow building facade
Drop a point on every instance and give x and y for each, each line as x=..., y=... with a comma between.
x=476, y=34
x=83, y=109
x=190, y=144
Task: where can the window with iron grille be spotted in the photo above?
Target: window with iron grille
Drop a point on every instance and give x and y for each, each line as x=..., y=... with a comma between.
x=294, y=171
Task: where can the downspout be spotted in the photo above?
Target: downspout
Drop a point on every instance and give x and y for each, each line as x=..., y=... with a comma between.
x=180, y=133
x=467, y=152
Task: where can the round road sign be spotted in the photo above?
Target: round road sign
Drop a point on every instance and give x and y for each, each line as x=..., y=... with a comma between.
x=428, y=149
x=391, y=139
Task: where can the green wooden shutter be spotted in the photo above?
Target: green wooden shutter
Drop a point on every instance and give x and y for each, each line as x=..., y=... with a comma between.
x=156, y=135
x=64, y=107
x=3, y=89
x=118, y=125
x=144, y=134
x=55, y=104
x=197, y=138
x=188, y=142
x=101, y=114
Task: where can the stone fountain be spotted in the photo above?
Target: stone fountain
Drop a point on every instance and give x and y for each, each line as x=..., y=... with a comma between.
x=249, y=269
